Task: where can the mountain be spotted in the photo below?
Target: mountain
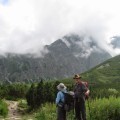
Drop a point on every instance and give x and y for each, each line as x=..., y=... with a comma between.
x=71, y=55
x=65, y=57
x=106, y=72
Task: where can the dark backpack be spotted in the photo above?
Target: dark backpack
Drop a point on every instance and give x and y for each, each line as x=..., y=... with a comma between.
x=68, y=101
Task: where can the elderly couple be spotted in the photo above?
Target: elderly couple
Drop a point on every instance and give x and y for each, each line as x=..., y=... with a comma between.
x=80, y=91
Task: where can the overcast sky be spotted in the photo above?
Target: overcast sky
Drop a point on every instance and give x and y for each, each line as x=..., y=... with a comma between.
x=27, y=25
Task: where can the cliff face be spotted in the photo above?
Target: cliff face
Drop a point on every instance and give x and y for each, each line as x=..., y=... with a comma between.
x=65, y=57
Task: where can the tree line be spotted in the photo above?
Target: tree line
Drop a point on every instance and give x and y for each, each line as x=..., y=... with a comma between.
x=37, y=94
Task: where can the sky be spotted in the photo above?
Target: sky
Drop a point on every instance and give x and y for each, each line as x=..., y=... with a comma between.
x=27, y=25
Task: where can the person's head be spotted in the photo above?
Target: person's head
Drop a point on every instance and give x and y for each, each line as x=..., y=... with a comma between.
x=77, y=78
x=61, y=87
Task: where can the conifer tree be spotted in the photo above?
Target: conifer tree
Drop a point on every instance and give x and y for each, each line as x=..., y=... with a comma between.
x=31, y=96
x=40, y=99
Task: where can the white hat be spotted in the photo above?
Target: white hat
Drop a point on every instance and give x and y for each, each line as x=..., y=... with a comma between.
x=61, y=87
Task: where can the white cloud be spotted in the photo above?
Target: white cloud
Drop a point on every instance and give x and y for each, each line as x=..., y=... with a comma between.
x=27, y=25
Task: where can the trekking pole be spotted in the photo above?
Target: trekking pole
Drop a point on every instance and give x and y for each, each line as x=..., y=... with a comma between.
x=89, y=108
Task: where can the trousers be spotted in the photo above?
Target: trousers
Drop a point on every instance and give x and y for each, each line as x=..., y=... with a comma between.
x=80, y=109
x=61, y=113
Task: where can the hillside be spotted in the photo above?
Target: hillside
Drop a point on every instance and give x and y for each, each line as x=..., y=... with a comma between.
x=108, y=71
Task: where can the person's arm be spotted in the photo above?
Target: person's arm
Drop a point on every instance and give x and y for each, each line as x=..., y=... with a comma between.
x=87, y=92
x=58, y=98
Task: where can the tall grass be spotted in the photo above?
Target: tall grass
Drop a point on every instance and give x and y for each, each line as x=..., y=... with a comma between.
x=98, y=109
x=104, y=109
x=47, y=112
x=3, y=108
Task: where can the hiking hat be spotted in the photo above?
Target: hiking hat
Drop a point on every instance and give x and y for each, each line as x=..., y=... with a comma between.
x=77, y=76
x=61, y=87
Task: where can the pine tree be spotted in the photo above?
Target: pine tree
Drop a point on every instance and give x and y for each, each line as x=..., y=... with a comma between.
x=31, y=96
x=40, y=99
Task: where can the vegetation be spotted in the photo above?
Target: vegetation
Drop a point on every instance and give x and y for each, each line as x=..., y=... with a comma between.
x=13, y=91
x=98, y=109
x=3, y=108
x=104, y=84
x=105, y=109
x=107, y=72
x=43, y=92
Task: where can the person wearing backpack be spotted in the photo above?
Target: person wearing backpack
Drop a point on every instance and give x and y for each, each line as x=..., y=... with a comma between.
x=80, y=93
x=61, y=112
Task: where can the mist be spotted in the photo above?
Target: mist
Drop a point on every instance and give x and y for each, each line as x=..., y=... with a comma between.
x=27, y=25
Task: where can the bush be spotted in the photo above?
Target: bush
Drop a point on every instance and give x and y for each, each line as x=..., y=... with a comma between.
x=41, y=93
x=47, y=112
x=113, y=91
x=23, y=104
x=3, y=109
x=104, y=109
x=99, y=109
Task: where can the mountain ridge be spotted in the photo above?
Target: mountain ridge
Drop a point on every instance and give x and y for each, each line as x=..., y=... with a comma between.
x=65, y=57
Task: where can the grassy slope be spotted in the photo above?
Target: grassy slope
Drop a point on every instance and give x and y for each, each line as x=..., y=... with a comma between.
x=106, y=72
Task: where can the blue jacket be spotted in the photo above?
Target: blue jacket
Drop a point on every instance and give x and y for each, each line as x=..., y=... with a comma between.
x=60, y=97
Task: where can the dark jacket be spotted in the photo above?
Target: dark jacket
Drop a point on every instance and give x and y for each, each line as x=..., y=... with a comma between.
x=79, y=90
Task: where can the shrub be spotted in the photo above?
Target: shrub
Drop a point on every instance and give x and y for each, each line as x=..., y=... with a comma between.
x=3, y=108
x=104, y=109
x=113, y=91
x=47, y=112
x=100, y=109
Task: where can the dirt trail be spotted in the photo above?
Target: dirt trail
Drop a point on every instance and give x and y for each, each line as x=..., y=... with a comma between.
x=13, y=113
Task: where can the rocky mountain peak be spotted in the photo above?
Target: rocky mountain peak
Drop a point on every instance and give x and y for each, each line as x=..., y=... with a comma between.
x=65, y=57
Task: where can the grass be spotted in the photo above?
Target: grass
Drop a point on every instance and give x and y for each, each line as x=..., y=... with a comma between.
x=3, y=108
x=105, y=109
x=98, y=109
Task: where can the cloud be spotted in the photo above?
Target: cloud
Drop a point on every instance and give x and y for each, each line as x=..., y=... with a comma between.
x=28, y=25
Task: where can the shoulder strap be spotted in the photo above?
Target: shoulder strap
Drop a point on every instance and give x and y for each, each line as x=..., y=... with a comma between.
x=81, y=83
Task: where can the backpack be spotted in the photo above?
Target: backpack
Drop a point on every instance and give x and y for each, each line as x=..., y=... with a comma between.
x=68, y=101
x=86, y=84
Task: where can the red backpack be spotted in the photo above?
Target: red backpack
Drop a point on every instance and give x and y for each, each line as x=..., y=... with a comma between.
x=86, y=84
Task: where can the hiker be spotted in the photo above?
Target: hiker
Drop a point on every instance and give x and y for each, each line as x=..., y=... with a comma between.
x=80, y=91
x=61, y=113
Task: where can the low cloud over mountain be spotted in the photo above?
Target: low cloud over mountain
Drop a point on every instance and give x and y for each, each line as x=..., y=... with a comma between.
x=42, y=22
x=64, y=57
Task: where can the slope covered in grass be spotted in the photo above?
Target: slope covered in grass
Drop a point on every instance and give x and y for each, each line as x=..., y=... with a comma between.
x=107, y=72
